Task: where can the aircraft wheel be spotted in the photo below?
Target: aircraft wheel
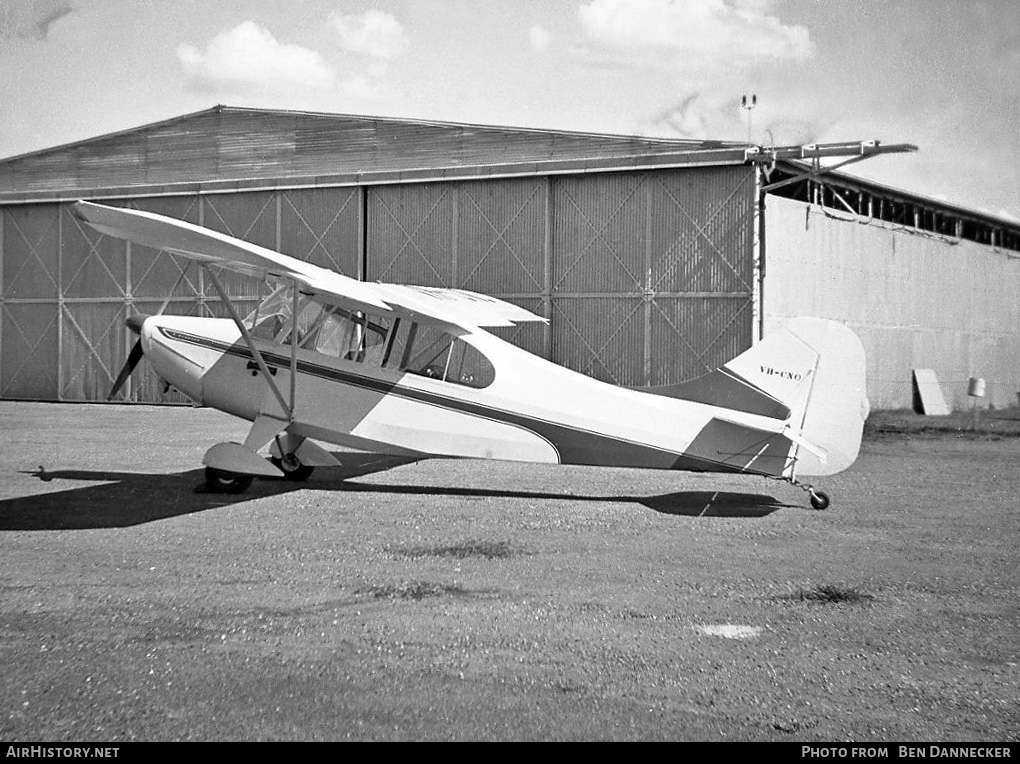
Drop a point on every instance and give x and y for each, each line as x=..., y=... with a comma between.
x=220, y=481
x=819, y=500
x=292, y=468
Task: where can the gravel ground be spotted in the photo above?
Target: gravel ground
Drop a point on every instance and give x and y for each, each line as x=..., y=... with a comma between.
x=470, y=600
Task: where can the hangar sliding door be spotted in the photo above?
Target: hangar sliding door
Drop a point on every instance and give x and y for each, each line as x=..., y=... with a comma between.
x=500, y=247
x=486, y=236
x=653, y=273
x=700, y=287
x=599, y=270
x=646, y=277
x=93, y=288
x=29, y=326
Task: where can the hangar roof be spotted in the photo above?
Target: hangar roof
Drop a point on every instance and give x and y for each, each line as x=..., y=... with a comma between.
x=224, y=149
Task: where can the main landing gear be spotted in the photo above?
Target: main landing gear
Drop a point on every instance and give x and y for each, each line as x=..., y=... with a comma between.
x=223, y=481
x=291, y=467
x=230, y=467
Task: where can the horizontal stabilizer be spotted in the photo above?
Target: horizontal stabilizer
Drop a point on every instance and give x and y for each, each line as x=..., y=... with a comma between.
x=805, y=443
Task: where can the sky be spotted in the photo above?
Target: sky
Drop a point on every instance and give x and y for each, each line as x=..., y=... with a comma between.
x=941, y=74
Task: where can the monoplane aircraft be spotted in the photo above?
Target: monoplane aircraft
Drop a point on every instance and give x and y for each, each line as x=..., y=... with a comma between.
x=412, y=371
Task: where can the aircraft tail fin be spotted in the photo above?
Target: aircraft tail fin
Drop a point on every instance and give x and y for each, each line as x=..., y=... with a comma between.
x=815, y=367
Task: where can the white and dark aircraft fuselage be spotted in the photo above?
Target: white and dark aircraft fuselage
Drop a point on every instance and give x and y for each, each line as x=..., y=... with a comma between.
x=411, y=371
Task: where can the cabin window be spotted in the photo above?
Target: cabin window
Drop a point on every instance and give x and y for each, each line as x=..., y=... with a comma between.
x=467, y=366
x=351, y=336
x=311, y=318
x=430, y=352
x=434, y=353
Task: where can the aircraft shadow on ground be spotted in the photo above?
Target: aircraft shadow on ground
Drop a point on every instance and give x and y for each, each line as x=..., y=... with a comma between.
x=122, y=499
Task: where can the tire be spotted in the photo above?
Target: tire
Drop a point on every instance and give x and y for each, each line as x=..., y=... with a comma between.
x=219, y=481
x=819, y=500
x=291, y=468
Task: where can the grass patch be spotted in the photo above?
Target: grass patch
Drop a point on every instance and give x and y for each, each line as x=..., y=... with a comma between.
x=792, y=726
x=829, y=594
x=490, y=550
x=411, y=590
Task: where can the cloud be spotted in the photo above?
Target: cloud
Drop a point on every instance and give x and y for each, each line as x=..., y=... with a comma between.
x=373, y=33
x=367, y=88
x=539, y=37
x=377, y=38
x=692, y=33
x=32, y=20
x=702, y=117
x=698, y=117
x=248, y=57
x=794, y=132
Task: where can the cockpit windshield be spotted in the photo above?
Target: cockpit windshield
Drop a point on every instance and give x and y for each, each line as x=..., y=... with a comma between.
x=266, y=321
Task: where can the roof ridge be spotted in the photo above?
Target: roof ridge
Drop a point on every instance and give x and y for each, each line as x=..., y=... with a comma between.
x=226, y=108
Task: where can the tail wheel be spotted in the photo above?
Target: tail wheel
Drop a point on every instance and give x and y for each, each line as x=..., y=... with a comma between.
x=220, y=481
x=819, y=499
x=292, y=468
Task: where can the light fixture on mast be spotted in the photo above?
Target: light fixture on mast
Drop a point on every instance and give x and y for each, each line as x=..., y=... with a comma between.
x=748, y=105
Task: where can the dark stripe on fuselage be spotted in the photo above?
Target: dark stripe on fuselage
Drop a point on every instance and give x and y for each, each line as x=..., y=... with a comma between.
x=574, y=445
x=725, y=389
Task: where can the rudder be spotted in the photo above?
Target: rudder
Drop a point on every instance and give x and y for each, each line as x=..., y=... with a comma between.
x=817, y=368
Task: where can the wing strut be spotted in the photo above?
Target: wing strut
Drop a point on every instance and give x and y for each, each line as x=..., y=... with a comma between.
x=288, y=410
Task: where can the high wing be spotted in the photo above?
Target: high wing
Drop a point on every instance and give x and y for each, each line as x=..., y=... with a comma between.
x=452, y=308
x=457, y=305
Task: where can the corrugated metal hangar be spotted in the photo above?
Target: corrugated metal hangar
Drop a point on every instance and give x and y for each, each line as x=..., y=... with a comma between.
x=655, y=260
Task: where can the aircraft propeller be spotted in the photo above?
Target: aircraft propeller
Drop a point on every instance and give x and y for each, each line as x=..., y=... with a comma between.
x=134, y=323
